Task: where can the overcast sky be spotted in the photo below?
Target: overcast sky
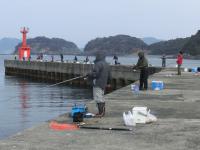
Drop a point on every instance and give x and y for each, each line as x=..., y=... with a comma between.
x=82, y=20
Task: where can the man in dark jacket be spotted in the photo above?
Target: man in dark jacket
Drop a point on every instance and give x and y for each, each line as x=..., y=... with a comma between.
x=142, y=64
x=101, y=77
x=163, y=60
x=61, y=57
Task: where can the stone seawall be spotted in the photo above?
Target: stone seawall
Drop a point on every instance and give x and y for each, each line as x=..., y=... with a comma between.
x=122, y=75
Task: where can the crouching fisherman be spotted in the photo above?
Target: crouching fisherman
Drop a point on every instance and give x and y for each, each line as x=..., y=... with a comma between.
x=100, y=76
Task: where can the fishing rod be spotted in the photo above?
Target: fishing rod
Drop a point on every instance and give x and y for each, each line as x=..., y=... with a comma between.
x=106, y=128
x=79, y=77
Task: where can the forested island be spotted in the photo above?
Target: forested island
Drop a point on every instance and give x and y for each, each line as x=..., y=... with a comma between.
x=50, y=46
x=115, y=45
x=126, y=45
x=192, y=47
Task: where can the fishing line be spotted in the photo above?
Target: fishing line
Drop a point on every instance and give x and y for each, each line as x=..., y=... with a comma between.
x=14, y=97
x=169, y=64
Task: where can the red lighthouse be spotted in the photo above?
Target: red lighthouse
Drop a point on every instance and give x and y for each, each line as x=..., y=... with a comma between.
x=24, y=50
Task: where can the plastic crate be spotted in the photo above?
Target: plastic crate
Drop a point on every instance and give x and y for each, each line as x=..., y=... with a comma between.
x=157, y=85
x=194, y=70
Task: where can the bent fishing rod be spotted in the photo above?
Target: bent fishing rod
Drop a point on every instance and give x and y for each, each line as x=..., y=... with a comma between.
x=68, y=80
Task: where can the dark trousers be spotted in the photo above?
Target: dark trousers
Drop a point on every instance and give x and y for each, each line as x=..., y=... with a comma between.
x=144, y=79
x=179, y=69
x=163, y=63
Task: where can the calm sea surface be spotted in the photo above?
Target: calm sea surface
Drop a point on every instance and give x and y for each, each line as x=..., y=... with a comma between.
x=24, y=103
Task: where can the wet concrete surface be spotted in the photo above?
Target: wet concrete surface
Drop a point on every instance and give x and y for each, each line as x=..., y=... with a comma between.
x=177, y=128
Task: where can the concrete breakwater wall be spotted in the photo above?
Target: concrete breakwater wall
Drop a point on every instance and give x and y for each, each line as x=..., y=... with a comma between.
x=56, y=71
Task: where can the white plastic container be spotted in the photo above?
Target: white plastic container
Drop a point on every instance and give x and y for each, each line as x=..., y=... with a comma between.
x=140, y=114
x=128, y=119
x=185, y=69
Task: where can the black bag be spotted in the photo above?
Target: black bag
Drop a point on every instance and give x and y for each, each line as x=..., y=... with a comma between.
x=78, y=117
x=198, y=69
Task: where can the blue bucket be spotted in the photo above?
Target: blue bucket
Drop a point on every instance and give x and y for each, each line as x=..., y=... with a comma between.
x=78, y=109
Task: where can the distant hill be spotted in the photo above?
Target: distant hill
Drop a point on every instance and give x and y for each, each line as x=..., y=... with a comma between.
x=169, y=47
x=119, y=45
x=51, y=46
x=150, y=40
x=7, y=45
x=192, y=47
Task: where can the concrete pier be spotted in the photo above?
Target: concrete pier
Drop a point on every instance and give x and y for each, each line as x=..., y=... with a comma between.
x=56, y=71
x=177, y=128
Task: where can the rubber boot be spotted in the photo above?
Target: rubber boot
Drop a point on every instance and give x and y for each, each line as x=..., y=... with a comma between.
x=101, y=109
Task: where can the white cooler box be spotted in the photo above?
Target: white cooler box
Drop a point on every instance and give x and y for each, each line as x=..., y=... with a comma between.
x=157, y=85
